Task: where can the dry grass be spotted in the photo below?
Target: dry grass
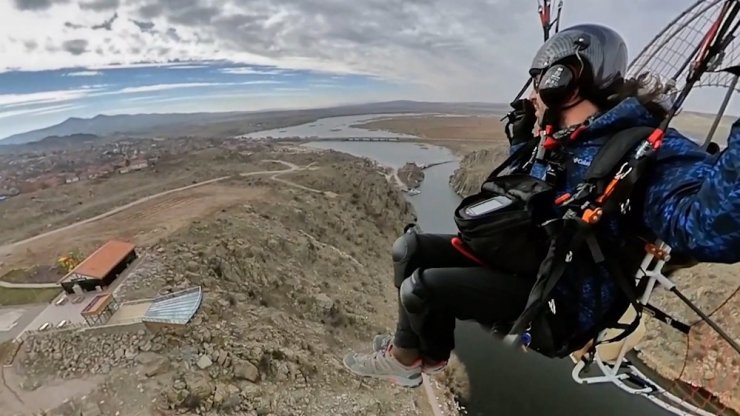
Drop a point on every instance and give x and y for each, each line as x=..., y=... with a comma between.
x=29, y=214
x=462, y=134
x=37, y=274
x=142, y=224
x=8, y=350
x=9, y=297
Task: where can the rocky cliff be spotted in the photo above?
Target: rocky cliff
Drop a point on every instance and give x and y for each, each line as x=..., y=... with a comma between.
x=475, y=167
x=411, y=175
x=291, y=283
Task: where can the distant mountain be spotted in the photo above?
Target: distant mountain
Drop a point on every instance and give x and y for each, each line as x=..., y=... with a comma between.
x=231, y=123
x=105, y=125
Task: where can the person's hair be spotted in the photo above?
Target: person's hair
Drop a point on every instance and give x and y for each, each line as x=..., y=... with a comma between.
x=647, y=88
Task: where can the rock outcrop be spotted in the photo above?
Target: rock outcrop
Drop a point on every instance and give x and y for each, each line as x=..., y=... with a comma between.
x=475, y=167
x=411, y=174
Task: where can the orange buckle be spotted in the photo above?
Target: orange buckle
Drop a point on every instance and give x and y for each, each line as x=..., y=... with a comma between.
x=656, y=252
x=592, y=216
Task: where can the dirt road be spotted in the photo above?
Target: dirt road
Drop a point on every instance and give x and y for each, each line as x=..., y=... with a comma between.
x=8, y=285
x=3, y=249
x=15, y=400
x=143, y=221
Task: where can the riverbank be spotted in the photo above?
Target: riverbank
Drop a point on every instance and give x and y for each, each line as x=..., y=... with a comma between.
x=461, y=134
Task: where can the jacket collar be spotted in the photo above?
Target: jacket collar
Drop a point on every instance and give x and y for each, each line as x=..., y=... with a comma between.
x=626, y=114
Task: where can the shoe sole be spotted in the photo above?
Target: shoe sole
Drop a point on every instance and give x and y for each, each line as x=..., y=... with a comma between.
x=433, y=371
x=404, y=382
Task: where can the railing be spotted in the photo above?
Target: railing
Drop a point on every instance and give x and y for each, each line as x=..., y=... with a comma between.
x=33, y=332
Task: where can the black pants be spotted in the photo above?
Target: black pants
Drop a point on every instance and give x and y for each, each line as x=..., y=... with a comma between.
x=457, y=288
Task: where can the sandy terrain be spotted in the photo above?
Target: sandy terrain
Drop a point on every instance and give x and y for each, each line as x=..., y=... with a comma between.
x=31, y=214
x=461, y=134
x=16, y=400
x=464, y=134
x=141, y=224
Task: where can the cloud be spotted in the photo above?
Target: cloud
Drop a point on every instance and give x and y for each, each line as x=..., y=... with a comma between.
x=83, y=74
x=250, y=71
x=14, y=101
x=144, y=26
x=175, y=86
x=99, y=5
x=106, y=24
x=44, y=97
x=75, y=46
x=36, y=4
x=163, y=87
x=40, y=110
x=478, y=49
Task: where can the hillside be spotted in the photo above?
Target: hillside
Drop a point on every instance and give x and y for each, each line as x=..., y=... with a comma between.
x=295, y=273
x=227, y=124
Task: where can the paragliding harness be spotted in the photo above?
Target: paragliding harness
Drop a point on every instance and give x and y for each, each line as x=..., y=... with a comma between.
x=508, y=224
x=522, y=233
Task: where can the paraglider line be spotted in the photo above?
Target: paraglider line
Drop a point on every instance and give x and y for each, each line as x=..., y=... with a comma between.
x=707, y=319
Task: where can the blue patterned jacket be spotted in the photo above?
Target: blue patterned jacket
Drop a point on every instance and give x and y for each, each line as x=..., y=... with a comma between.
x=692, y=202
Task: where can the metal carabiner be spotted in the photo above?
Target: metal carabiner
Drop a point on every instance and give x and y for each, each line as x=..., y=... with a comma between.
x=624, y=171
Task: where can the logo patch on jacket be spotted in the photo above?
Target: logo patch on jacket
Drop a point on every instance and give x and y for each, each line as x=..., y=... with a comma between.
x=581, y=161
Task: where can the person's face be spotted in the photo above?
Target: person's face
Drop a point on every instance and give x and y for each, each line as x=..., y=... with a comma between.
x=539, y=107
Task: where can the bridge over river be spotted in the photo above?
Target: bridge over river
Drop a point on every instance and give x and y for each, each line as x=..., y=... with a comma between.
x=361, y=139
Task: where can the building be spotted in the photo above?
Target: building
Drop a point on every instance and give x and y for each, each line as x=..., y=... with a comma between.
x=101, y=268
x=174, y=310
x=100, y=309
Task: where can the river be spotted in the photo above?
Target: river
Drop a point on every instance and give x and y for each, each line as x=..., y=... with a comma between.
x=503, y=382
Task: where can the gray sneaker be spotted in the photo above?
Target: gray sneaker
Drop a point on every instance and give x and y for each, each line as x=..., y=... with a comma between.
x=382, y=364
x=381, y=343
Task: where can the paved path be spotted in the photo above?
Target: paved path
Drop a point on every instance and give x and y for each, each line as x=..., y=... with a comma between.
x=9, y=285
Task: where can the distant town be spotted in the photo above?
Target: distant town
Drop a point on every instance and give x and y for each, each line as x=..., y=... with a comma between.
x=31, y=168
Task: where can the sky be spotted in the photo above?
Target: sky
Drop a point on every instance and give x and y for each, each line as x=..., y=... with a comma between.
x=66, y=58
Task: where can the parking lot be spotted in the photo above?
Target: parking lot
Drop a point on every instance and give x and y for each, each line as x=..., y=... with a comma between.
x=14, y=319
x=69, y=311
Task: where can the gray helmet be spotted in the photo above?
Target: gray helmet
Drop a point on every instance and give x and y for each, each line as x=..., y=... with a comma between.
x=601, y=47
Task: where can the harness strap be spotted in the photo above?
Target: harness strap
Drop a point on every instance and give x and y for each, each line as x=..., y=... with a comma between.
x=459, y=245
x=572, y=233
x=570, y=237
x=631, y=293
x=614, y=151
x=667, y=319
